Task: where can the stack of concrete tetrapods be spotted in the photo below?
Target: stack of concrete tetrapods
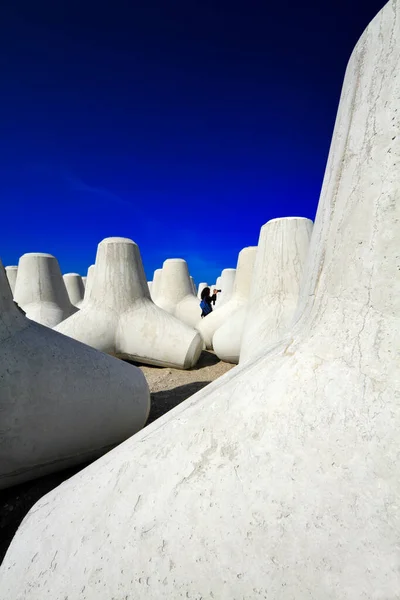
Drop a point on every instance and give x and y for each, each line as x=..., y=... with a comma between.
x=11, y=273
x=175, y=294
x=241, y=289
x=40, y=289
x=61, y=402
x=278, y=269
x=286, y=467
x=75, y=288
x=118, y=316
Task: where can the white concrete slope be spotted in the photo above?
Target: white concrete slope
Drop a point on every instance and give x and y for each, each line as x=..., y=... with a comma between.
x=75, y=288
x=280, y=480
x=61, y=402
x=11, y=273
x=119, y=318
x=274, y=294
x=40, y=289
x=241, y=289
x=176, y=292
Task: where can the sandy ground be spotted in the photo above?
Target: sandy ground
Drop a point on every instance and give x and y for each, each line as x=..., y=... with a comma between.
x=168, y=387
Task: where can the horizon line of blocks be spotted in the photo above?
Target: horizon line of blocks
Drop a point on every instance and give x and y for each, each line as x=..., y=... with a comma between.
x=278, y=480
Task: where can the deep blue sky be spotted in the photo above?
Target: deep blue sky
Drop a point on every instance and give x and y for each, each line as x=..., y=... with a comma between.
x=182, y=124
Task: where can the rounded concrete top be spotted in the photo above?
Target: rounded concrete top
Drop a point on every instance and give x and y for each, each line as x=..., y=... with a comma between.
x=227, y=270
x=177, y=260
x=71, y=275
x=41, y=254
x=287, y=219
x=117, y=240
x=11, y=267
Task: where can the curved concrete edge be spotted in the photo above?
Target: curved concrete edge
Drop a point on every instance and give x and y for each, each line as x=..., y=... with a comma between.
x=228, y=338
x=75, y=287
x=188, y=311
x=11, y=272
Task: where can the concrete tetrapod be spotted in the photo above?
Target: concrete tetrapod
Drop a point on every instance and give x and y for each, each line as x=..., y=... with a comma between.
x=88, y=285
x=40, y=289
x=244, y=270
x=284, y=471
x=155, y=288
x=84, y=281
x=225, y=283
x=61, y=402
x=75, y=288
x=176, y=292
x=11, y=273
x=274, y=294
x=119, y=318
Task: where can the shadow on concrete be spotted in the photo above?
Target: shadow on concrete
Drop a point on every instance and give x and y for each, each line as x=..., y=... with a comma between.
x=164, y=401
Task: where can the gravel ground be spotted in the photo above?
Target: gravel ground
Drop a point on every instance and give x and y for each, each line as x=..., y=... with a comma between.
x=168, y=387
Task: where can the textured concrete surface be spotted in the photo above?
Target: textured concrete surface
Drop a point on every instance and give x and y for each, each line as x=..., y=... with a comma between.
x=75, y=288
x=88, y=281
x=11, y=273
x=241, y=289
x=61, y=402
x=175, y=293
x=274, y=294
x=119, y=318
x=155, y=288
x=281, y=479
x=40, y=289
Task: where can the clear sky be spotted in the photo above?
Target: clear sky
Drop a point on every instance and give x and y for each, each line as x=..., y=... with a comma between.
x=184, y=125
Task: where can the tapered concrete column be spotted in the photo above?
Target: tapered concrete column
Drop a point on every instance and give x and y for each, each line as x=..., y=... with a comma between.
x=241, y=289
x=193, y=286
x=40, y=289
x=285, y=470
x=119, y=318
x=88, y=285
x=227, y=339
x=75, y=288
x=61, y=403
x=155, y=288
x=84, y=281
x=150, y=284
x=225, y=283
x=11, y=272
x=201, y=288
x=278, y=271
x=176, y=292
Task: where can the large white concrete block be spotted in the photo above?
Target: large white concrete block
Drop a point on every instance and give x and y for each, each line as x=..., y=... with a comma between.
x=241, y=289
x=201, y=287
x=11, y=272
x=119, y=318
x=176, y=292
x=278, y=271
x=281, y=479
x=155, y=288
x=61, y=402
x=40, y=289
x=75, y=288
x=227, y=339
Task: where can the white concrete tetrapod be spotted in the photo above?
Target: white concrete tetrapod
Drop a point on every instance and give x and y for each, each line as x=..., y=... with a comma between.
x=201, y=287
x=227, y=339
x=225, y=283
x=194, y=291
x=84, y=281
x=244, y=270
x=278, y=271
x=176, y=293
x=40, y=289
x=150, y=285
x=285, y=470
x=119, y=318
x=155, y=288
x=61, y=402
x=11, y=272
x=75, y=288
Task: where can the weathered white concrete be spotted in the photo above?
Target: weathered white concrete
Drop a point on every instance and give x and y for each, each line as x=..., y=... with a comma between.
x=150, y=285
x=61, y=402
x=155, y=288
x=84, y=281
x=227, y=339
x=278, y=271
x=176, y=292
x=241, y=289
x=119, y=318
x=225, y=283
x=201, y=287
x=88, y=285
x=40, y=289
x=193, y=286
x=11, y=272
x=281, y=479
x=75, y=288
